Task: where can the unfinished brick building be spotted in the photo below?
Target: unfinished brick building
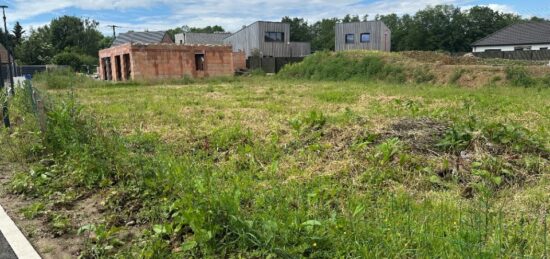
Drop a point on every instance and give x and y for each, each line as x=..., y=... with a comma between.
x=133, y=61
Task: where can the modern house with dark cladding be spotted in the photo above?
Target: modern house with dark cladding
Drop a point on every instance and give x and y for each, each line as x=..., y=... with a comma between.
x=267, y=39
x=147, y=37
x=194, y=38
x=371, y=35
x=516, y=37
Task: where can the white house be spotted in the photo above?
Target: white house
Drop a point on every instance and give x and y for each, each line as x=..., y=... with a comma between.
x=516, y=37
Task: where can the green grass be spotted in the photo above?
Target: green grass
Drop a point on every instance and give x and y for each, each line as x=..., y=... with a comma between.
x=272, y=167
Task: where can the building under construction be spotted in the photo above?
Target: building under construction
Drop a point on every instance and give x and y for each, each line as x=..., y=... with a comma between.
x=135, y=61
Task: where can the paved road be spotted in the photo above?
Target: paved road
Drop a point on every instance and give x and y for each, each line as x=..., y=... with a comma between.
x=5, y=249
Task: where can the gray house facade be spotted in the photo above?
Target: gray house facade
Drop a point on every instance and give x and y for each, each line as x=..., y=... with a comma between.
x=194, y=38
x=371, y=35
x=267, y=39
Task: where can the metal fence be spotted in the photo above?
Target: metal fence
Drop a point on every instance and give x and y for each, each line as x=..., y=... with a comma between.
x=535, y=55
x=28, y=70
x=270, y=64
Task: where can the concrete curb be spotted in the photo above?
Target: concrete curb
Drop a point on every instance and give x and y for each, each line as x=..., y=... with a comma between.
x=18, y=242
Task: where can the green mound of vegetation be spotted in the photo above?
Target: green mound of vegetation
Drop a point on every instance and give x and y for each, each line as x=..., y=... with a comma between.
x=343, y=66
x=413, y=67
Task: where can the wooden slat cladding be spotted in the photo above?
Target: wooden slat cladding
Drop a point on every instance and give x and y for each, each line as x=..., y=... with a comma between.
x=299, y=49
x=251, y=40
x=245, y=40
x=274, y=49
x=380, y=36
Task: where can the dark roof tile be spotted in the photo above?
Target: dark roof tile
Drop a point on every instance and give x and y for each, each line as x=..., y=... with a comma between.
x=205, y=38
x=518, y=34
x=139, y=37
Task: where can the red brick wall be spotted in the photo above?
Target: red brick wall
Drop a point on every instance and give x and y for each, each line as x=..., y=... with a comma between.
x=157, y=61
x=239, y=60
x=112, y=53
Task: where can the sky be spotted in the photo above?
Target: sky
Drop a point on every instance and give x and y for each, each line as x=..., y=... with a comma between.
x=140, y=15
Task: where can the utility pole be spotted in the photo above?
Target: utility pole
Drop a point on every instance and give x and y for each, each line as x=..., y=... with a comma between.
x=114, y=30
x=10, y=52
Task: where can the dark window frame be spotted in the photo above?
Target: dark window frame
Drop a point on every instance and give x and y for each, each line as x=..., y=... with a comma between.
x=349, y=41
x=523, y=48
x=274, y=36
x=543, y=48
x=361, y=38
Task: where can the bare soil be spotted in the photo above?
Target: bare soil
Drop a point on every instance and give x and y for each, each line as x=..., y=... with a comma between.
x=37, y=230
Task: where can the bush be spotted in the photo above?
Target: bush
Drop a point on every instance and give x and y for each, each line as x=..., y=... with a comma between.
x=518, y=76
x=76, y=61
x=423, y=75
x=68, y=59
x=457, y=74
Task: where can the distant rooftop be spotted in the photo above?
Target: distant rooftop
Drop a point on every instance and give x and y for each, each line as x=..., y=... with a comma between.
x=140, y=37
x=203, y=38
x=518, y=34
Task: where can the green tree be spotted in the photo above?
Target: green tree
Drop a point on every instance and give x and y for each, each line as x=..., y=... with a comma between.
x=66, y=31
x=445, y=27
x=17, y=34
x=173, y=32
x=66, y=34
x=323, y=34
x=75, y=34
x=299, y=29
x=208, y=29
x=37, y=48
x=351, y=18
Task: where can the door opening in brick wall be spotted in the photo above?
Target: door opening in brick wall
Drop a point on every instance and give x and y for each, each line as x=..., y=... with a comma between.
x=118, y=68
x=127, y=67
x=106, y=67
x=199, y=62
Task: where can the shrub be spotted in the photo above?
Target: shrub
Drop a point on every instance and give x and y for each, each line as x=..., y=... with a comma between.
x=423, y=75
x=518, y=76
x=64, y=78
x=68, y=59
x=457, y=74
x=77, y=62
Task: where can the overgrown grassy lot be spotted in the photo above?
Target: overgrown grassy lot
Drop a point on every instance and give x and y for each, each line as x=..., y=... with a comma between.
x=275, y=167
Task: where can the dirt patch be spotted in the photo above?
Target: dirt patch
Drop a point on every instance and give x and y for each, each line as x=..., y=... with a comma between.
x=421, y=135
x=38, y=231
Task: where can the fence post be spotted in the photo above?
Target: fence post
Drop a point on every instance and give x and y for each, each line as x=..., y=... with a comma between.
x=37, y=105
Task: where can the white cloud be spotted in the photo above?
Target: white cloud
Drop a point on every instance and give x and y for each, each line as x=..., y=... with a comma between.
x=232, y=14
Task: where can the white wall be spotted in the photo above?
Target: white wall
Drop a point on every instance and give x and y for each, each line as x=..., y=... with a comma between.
x=510, y=48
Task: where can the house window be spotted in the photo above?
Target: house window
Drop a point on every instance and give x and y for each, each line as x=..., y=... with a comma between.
x=492, y=50
x=545, y=48
x=522, y=48
x=365, y=37
x=274, y=36
x=350, y=38
x=199, y=62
